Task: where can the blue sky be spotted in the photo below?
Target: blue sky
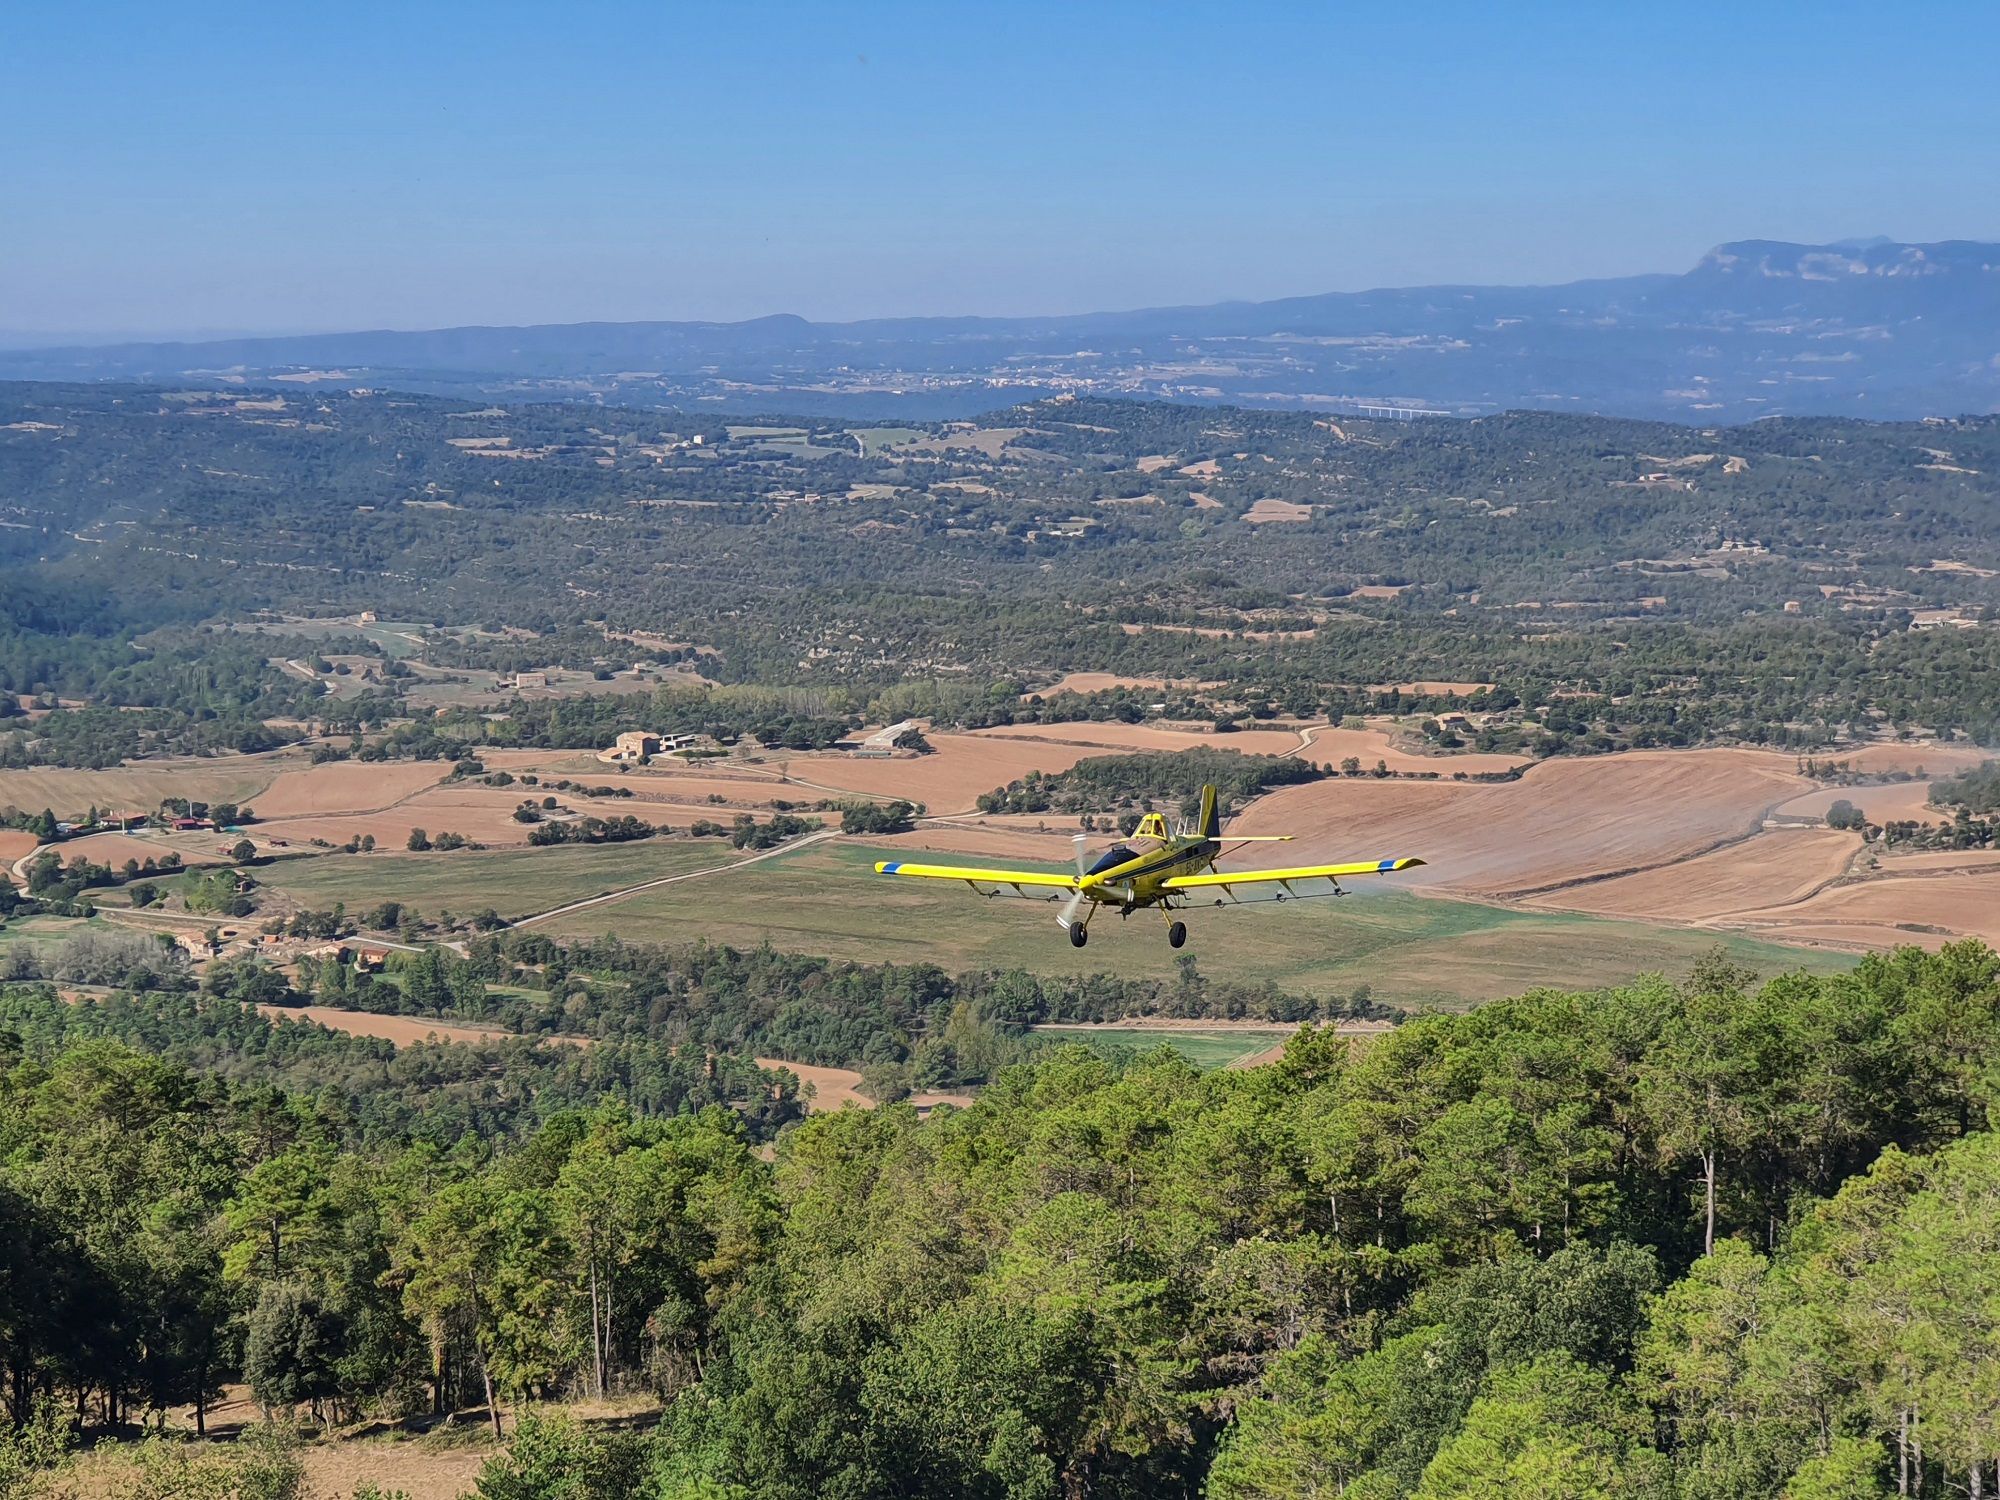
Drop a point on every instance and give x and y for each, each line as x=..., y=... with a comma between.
x=204, y=167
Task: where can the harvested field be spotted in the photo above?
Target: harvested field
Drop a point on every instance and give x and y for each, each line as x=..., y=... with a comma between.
x=345, y=786
x=115, y=848
x=1899, y=802
x=831, y=1087
x=986, y=840
x=1563, y=821
x=1122, y=739
x=836, y=1088
x=949, y=781
x=1095, y=682
x=138, y=788
x=404, y=1031
x=485, y=814
x=1377, y=590
x=1930, y=758
x=1452, y=689
x=420, y=1468
x=1264, y=512
x=1772, y=867
x=1892, y=909
x=1375, y=743
x=1939, y=859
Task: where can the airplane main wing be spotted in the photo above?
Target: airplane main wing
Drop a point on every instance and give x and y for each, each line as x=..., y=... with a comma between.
x=1297, y=884
x=1033, y=885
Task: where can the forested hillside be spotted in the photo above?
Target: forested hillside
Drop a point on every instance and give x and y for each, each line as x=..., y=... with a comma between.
x=1671, y=1240
x=1621, y=583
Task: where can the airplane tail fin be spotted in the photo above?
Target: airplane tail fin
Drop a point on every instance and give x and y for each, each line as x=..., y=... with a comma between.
x=1211, y=815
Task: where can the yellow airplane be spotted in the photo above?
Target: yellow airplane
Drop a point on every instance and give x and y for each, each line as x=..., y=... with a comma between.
x=1176, y=873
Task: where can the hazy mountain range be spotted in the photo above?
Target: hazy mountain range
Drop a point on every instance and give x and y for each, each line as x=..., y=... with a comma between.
x=1858, y=328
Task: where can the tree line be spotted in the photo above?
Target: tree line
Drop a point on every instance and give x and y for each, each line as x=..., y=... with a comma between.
x=1666, y=1239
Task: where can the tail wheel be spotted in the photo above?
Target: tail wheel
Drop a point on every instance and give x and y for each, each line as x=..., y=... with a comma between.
x=1176, y=934
x=1078, y=935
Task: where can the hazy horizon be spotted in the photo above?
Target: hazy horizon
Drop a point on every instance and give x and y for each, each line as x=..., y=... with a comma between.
x=251, y=176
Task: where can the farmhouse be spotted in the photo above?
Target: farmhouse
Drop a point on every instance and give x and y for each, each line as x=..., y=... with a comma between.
x=631, y=748
x=882, y=743
x=530, y=680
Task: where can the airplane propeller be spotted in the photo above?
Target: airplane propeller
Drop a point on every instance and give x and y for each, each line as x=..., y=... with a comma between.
x=1081, y=844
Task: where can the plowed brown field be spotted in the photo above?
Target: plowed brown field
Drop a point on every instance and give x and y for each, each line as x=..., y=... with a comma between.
x=1777, y=866
x=1564, y=821
x=15, y=844
x=1889, y=910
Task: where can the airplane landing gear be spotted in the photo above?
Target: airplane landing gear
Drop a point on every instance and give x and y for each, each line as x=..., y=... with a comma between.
x=1078, y=934
x=1176, y=934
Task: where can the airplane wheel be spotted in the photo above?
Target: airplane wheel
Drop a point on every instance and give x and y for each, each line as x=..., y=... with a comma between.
x=1078, y=935
x=1176, y=934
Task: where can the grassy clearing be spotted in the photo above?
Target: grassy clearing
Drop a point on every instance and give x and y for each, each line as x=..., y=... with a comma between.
x=1406, y=949
x=874, y=439
x=395, y=637
x=1205, y=1049
x=40, y=930
x=514, y=882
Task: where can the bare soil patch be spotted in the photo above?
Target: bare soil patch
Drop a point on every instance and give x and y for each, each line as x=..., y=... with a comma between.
x=1267, y=510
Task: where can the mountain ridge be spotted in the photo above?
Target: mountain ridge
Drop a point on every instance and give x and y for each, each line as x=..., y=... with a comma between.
x=1867, y=327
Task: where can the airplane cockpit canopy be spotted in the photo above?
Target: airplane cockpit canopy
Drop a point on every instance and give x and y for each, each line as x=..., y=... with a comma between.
x=1111, y=858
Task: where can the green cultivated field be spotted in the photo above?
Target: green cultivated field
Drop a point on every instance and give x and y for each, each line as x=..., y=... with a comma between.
x=1406, y=949
x=514, y=882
